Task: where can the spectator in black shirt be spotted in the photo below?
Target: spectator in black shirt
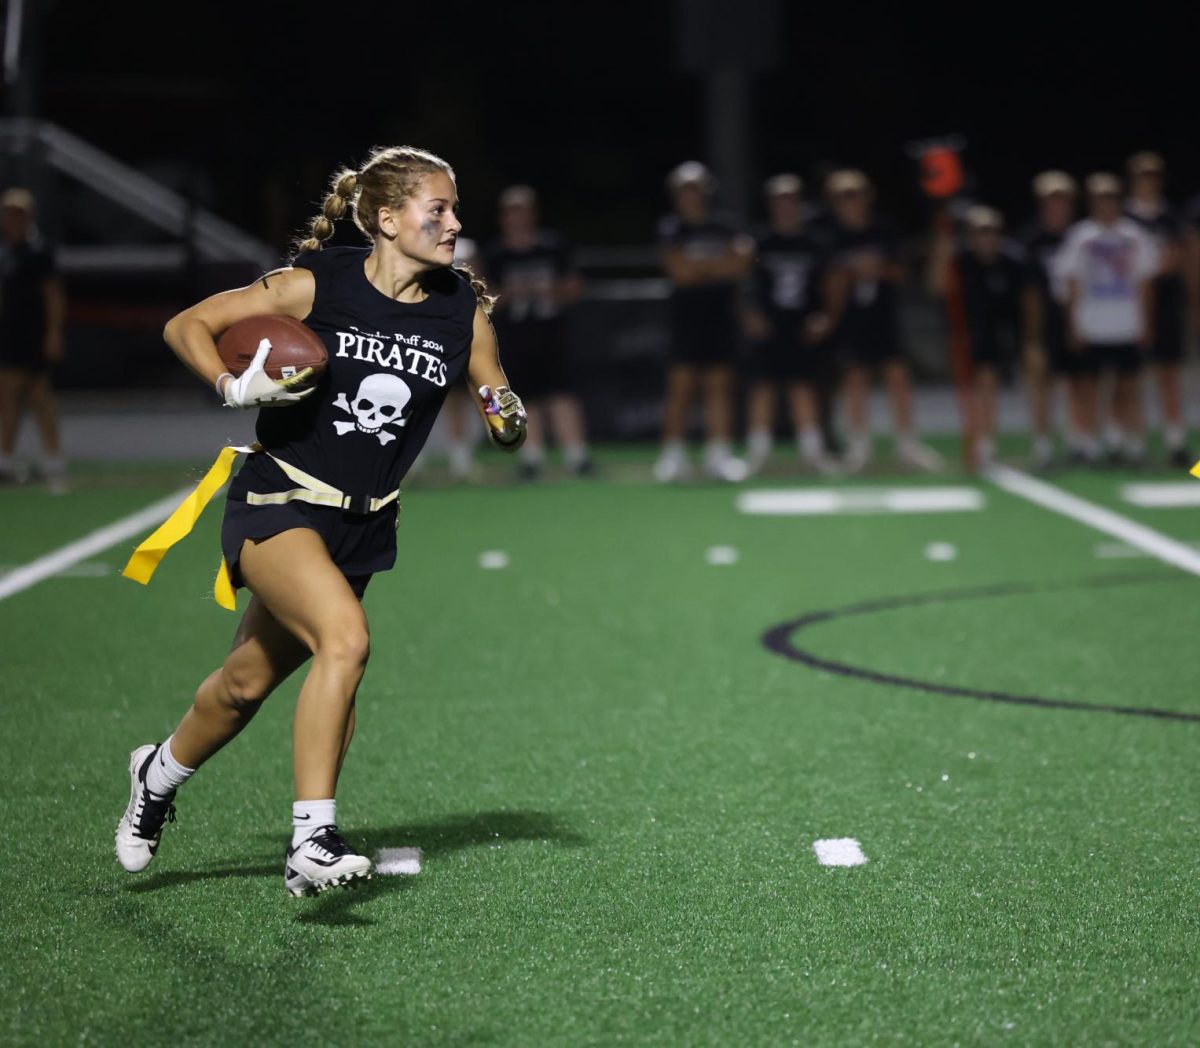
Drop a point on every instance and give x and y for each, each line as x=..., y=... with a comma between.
x=531, y=268
x=787, y=327
x=705, y=257
x=865, y=273
x=32, y=305
x=1001, y=308
x=1148, y=206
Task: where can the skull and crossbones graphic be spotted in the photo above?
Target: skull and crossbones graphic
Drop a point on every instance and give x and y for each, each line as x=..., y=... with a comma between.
x=379, y=402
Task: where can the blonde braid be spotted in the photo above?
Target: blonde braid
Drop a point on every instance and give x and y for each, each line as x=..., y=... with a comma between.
x=342, y=188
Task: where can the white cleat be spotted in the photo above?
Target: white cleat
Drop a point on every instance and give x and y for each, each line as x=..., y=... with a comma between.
x=324, y=861
x=672, y=467
x=727, y=469
x=141, y=826
x=920, y=456
x=857, y=457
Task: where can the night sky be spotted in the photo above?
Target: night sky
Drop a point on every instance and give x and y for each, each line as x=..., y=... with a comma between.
x=589, y=103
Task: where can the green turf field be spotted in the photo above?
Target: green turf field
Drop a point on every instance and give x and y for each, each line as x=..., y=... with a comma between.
x=616, y=787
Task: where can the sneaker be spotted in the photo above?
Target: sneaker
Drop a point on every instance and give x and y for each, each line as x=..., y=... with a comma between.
x=585, y=469
x=916, y=455
x=672, y=466
x=323, y=861
x=141, y=826
x=858, y=455
x=726, y=468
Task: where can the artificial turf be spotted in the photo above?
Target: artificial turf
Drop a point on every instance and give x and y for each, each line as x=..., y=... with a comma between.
x=616, y=786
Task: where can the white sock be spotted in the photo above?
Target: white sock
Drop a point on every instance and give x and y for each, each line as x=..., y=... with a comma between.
x=811, y=444
x=1135, y=445
x=54, y=465
x=1112, y=437
x=6, y=463
x=758, y=444
x=165, y=774
x=1043, y=446
x=716, y=450
x=533, y=454
x=309, y=816
x=575, y=455
x=1173, y=437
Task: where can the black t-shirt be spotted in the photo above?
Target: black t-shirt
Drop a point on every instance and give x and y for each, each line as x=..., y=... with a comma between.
x=710, y=303
x=787, y=274
x=992, y=298
x=24, y=269
x=390, y=366
x=872, y=304
x=1041, y=248
x=1167, y=228
x=525, y=279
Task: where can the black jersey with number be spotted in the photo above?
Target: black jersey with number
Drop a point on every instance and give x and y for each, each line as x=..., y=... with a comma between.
x=527, y=279
x=699, y=307
x=992, y=300
x=787, y=272
x=872, y=309
x=24, y=269
x=390, y=366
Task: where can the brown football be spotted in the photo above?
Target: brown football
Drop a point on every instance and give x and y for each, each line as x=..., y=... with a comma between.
x=294, y=347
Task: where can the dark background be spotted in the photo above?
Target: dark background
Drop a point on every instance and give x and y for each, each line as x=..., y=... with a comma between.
x=251, y=106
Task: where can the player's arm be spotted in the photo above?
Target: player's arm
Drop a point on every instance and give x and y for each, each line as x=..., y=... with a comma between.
x=1033, y=319
x=1191, y=276
x=735, y=263
x=499, y=407
x=192, y=334
x=56, y=310
x=683, y=271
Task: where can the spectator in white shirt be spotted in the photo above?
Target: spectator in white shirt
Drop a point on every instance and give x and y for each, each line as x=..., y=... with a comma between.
x=1106, y=264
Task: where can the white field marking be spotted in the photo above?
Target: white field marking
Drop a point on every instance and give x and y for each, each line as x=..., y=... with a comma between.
x=493, y=559
x=941, y=551
x=94, y=542
x=1168, y=550
x=91, y=569
x=392, y=862
x=719, y=555
x=814, y=502
x=1123, y=551
x=839, y=851
x=1162, y=496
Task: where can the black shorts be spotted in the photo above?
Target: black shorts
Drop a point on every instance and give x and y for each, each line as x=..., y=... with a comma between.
x=1125, y=358
x=993, y=348
x=783, y=359
x=360, y=544
x=22, y=355
x=1168, y=338
x=534, y=358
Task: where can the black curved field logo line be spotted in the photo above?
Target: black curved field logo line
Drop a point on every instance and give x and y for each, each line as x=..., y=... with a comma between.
x=778, y=639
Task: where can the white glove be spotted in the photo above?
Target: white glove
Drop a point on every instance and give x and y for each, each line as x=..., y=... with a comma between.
x=255, y=388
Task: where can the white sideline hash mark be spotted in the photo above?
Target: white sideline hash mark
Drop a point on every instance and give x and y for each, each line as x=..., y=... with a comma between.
x=821, y=502
x=494, y=559
x=839, y=851
x=941, y=551
x=1168, y=550
x=94, y=542
x=718, y=555
x=1162, y=496
x=392, y=862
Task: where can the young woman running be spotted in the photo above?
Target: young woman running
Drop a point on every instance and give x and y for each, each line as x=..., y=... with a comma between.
x=400, y=327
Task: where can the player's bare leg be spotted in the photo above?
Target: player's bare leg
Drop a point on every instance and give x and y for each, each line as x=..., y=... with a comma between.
x=460, y=417
x=900, y=391
x=1038, y=382
x=294, y=577
x=682, y=384
x=1127, y=413
x=12, y=408
x=44, y=405
x=806, y=419
x=760, y=424
x=719, y=461
x=1170, y=399
x=570, y=431
x=1084, y=405
x=533, y=451
x=985, y=408
x=856, y=390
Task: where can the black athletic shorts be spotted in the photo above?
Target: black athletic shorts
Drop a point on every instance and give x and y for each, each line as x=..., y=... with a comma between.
x=23, y=355
x=788, y=359
x=1125, y=358
x=360, y=544
x=1168, y=337
x=534, y=357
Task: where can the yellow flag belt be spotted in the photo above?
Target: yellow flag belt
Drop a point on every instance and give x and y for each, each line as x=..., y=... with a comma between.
x=149, y=554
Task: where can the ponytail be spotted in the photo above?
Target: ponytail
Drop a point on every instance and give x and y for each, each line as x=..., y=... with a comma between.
x=478, y=285
x=341, y=193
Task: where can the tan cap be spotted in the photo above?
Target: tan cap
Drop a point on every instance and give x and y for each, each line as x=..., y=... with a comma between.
x=783, y=185
x=518, y=196
x=690, y=173
x=1146, y=163
x=1051, y=182
x=847, y=180
x=21, y=199
x=980, y=217
x=1103, y=184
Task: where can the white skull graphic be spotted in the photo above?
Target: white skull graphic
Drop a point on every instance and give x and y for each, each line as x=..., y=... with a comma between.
x=380, y=401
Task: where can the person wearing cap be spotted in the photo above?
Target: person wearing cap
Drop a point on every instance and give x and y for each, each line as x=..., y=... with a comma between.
x=862, y=288
x=537, y=283
x=1108, y=264
x=787, y=328
x=1001, y=307
x=1148, y=207
x=32, y=309
x=1046, y=357
x=705, y=258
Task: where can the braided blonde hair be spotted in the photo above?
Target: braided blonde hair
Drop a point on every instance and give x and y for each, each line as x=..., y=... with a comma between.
x=389, y=177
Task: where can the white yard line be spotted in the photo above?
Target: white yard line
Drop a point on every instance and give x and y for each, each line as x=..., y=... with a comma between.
x=1168, y=550
x=94, y=542
x=1167, y=495
x=839, y=851
x=820, y=502
x=392, y=862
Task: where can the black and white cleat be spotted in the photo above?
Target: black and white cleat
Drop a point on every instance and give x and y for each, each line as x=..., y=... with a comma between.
x=324, y=861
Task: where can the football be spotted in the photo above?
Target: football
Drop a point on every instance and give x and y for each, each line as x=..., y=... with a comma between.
x=294, y=347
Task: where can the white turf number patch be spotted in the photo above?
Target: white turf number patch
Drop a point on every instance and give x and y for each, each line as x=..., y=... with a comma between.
x=822, y=502
x=839, y=851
